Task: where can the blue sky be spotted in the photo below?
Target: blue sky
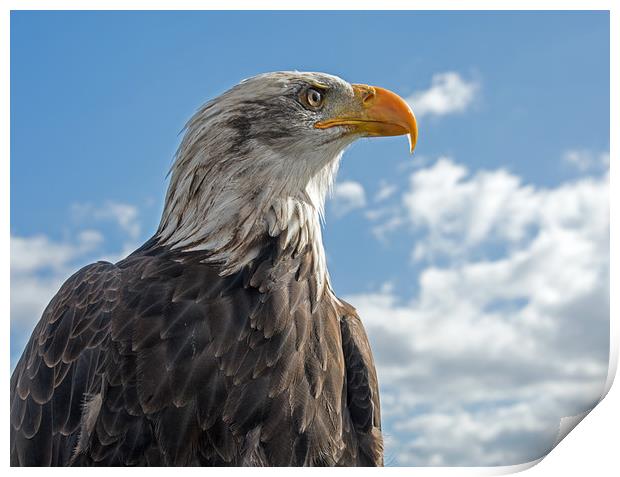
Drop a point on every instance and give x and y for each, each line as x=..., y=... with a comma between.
x=513, y=152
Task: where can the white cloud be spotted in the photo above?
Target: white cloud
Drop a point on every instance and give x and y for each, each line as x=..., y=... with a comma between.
x=460, y=211
x=124, y=215
x=347, y=196
x=586, y=160
x=449, y=93
x=29, y=254
x=385, y=191
x=480, y=364
x=386, y=220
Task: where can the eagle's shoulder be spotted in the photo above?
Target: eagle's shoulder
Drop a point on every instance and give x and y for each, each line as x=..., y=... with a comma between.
x=59, y=363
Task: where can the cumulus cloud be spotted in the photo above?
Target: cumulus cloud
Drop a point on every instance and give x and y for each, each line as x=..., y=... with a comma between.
x=449, y=93
x=460, y=211
x=347, y=196
x=38, y=252
x=508, y=330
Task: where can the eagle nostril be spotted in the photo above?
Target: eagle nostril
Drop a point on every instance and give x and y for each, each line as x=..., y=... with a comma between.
x=368, y=96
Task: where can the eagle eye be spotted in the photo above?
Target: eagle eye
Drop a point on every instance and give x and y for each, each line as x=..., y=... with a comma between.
x=313, y=98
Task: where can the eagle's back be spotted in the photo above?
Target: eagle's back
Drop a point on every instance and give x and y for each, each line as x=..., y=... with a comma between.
x=158, y=360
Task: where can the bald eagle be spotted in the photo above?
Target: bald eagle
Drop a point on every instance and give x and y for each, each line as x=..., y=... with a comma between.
x=220, y=340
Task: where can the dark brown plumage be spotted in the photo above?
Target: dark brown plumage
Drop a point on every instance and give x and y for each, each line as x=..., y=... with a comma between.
x=190, y=365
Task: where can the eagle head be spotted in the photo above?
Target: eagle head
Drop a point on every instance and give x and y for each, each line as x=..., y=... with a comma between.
x=309, y=116
x=259, y=160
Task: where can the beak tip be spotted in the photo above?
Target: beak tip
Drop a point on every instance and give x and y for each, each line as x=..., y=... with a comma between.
x=413, y=131
x=411, y=143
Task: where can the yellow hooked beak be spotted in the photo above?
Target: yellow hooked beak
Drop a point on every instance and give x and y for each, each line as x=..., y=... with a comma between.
x=376, y=112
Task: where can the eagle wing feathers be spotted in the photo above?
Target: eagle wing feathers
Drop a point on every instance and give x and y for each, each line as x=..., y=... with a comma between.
x=60, y=366
x=190, y=368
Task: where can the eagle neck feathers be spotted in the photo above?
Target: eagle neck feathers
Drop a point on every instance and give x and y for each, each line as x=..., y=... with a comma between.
x=211, y=211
